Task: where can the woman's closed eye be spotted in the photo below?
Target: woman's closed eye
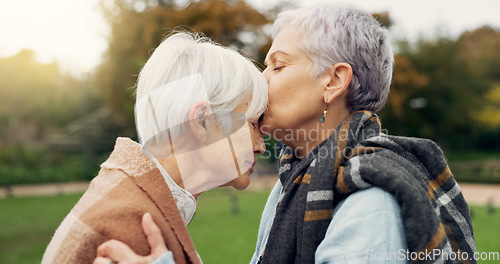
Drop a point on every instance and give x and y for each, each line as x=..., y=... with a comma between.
x=279, y=65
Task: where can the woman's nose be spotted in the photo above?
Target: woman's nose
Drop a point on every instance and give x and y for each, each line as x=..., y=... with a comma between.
x=259, y=147
x=266, y=74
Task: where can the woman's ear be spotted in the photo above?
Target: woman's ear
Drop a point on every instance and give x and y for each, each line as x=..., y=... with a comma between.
x=340, y=76
x=198, y=114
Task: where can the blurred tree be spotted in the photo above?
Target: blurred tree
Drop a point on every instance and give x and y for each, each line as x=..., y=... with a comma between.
x=489, y=113
x=406, y=84
x=137, y=27
x=36, y=97
x=451, y=96
x=480, y=48
x=439, y=85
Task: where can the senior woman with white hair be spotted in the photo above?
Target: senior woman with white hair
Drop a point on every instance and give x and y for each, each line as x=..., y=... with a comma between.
x=197, y=103
x=347, y=193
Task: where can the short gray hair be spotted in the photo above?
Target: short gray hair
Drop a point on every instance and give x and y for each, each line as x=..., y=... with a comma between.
x=332, y=34
x=228, y=79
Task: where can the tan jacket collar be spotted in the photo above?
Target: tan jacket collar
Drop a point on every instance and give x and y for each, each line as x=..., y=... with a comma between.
x=128, y=156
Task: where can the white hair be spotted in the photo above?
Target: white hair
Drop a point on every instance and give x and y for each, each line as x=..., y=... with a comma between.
x=331, y=34
x=177, y=67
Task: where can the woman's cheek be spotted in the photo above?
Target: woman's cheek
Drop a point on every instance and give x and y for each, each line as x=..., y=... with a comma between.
x=277, y=92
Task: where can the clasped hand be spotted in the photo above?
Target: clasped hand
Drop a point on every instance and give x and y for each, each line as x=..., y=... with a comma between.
x=114, y=251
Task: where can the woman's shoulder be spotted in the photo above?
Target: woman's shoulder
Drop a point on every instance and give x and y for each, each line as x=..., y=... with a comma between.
x=366, y=222
x=366, y=201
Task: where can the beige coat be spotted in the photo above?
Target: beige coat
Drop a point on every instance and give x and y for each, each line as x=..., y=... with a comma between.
x=128, y=185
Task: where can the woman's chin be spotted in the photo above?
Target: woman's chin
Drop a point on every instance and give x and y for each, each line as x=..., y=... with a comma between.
x=242, y=182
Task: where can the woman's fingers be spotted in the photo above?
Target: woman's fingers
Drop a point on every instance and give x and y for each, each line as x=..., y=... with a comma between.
x=155, y=238
x=119, y=252
x=115, y=250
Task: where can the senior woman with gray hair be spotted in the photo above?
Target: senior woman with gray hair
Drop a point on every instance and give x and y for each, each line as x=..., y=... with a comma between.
x=347, y=193
x=197, y=103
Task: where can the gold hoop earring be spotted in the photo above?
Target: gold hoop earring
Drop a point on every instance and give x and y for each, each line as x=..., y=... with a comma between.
x=322, y=117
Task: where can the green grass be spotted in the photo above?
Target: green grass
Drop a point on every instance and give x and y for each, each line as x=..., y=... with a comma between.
x=486, y=224
x=27, y=225
x=220, y=235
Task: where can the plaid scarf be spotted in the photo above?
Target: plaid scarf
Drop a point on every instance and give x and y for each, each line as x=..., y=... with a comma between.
x=357, y=156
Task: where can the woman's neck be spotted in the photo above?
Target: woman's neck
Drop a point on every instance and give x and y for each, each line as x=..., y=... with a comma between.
x=308, y=138
x=172, y=168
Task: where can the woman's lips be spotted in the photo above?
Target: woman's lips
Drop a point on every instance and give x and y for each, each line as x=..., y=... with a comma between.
x=251, y=166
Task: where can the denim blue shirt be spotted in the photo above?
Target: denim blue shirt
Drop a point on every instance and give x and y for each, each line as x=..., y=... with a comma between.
x=366, y=228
